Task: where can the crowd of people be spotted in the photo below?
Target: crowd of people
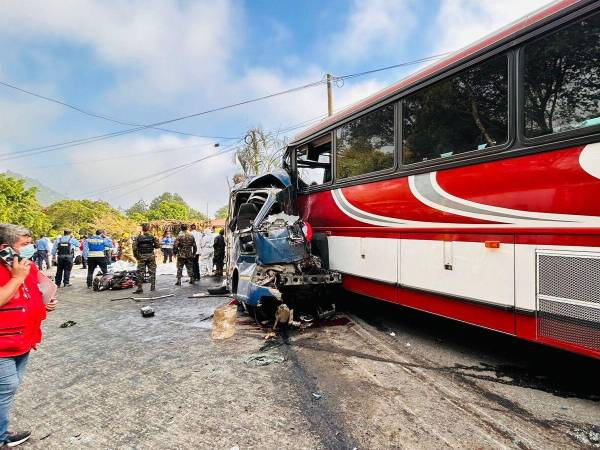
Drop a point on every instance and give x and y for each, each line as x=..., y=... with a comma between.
x=98, y=251
x=25, y=297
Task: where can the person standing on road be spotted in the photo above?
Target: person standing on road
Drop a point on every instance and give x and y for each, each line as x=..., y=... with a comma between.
x=198, y=239
x=63, y=252
x=166, y=246
x=94, y=251
x=185, y=249
x=219, y=258
x=108, y=247
x=126, y=250
x=206, y=252
x=83, y=257
x=143, y=250
x=22, y=311
x=42, y=252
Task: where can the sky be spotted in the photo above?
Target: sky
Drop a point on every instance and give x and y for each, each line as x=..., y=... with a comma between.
x=146, y=61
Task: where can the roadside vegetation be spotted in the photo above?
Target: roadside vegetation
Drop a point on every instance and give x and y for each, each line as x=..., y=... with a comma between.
x=18, y=205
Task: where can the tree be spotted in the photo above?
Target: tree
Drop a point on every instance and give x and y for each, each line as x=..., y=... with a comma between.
x=262, y=152
x=222, y=212
x=166, y=197
x=86, y=216
x=139, y=207
x=19, y=206
x=169, y=210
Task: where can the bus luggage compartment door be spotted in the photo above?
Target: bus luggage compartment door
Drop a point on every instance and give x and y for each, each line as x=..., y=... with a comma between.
x=470, y=270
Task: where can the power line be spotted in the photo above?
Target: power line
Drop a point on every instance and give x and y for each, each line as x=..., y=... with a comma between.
x=83, y=141
x=395, y=66
x=152, y=175
x=76, y=142
x=128, y=155
x=102, y=116
x=180, y=169
x=133, y=155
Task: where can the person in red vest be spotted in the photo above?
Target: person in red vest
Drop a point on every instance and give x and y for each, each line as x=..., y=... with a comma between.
x=22, y=311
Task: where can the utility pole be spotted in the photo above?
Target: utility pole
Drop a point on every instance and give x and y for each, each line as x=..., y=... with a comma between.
x=329, y=95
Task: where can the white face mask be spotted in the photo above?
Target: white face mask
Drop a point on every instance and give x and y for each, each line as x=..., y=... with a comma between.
x=27, y=251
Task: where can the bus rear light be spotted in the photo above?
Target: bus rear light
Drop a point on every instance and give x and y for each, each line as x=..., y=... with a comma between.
x=492, y=244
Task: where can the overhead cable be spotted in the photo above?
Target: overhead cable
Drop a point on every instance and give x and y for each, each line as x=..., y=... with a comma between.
x=83, y=141
x=53, y=147
x=152, y=175
x=102, y=116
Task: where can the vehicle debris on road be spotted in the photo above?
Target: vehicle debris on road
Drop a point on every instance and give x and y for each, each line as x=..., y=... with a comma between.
x=147, y=311
x=68, y=323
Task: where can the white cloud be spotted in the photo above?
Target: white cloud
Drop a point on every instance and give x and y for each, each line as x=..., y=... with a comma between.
x=201, y=183
x=159, y=47
x=373, y=27
x=21, y=116
x=461, y=22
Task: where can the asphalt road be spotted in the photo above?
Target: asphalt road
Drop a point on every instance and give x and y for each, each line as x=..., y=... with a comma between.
x=376, y=376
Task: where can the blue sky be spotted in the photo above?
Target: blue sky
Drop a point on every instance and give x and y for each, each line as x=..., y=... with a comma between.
x=145, y=61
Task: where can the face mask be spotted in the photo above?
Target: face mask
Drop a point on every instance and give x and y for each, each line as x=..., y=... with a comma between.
x=27, y=251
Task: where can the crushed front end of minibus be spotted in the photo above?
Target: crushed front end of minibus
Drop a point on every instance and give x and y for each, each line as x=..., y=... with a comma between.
x=272, y=271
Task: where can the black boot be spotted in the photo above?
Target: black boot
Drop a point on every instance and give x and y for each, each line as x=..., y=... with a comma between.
x=139, y=290
x=152, y=287
x=178, y=283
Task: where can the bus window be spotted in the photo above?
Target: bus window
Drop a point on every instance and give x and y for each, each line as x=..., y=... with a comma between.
x=460, y=114
x=366, y=144
x=314, y=162
x=562, y=79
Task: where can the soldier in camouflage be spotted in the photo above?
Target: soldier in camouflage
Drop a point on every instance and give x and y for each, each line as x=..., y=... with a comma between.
x=184, y=249
x=143, y=251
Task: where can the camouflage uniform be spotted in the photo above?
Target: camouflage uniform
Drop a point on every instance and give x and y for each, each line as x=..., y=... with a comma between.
x=143, y=250
x=185, y=249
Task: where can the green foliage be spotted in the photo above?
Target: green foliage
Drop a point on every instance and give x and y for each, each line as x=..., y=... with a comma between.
x=86, y=216
x=169, y=210
x=18, y=205
x=166, y=197
x=167, y=206
x=222, y=212
x=139, y=207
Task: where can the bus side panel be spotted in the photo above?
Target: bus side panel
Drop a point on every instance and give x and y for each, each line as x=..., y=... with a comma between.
x=474, y=313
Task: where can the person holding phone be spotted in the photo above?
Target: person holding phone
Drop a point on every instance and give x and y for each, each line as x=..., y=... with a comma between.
x=22, y=311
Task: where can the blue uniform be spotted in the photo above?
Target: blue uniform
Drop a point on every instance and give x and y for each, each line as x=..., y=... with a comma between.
x=95, y=246
x=94, y=251
x=73, y=244
x=42, y=245
x=63, y=249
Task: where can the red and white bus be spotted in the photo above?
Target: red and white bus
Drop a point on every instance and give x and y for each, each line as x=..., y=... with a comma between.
x=471, y=189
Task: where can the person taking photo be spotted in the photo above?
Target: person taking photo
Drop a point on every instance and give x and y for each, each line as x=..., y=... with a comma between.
x=22, y=311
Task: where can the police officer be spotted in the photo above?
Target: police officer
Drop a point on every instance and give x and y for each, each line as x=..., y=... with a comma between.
x=185, y=249
x=143, y=250
x=93, y=251
x=63, y=250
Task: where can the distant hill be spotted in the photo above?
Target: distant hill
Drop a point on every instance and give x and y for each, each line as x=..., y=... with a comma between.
x=45, y=195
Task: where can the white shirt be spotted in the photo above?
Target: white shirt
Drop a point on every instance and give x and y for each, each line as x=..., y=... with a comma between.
x=198, y=238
